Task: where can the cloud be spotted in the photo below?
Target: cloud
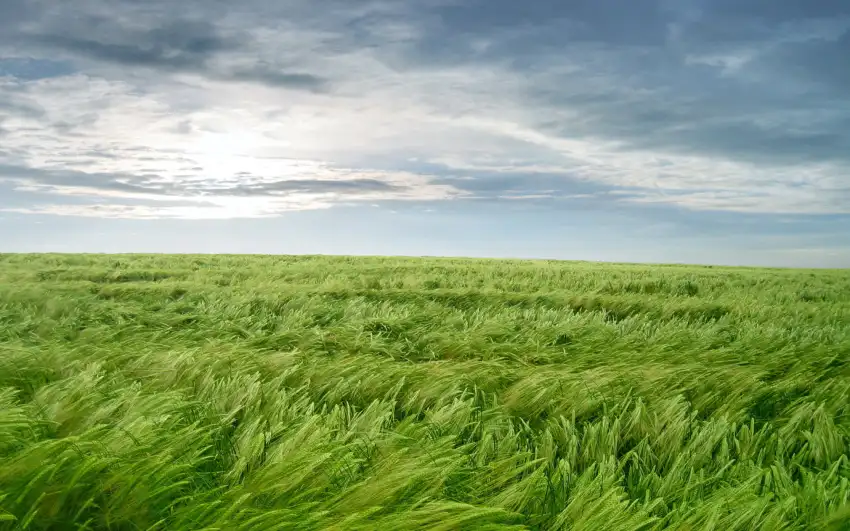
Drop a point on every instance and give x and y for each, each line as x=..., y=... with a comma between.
x=317, y=185
x=158, y=39
x=770, y=12
x=275, y=77
x=122, y=211
x=198, y=197
x=178, y=44
x=818, y=60
x=734, y=106
x=612, y=21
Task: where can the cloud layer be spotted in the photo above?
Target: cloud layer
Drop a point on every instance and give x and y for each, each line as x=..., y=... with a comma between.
x=212, y=109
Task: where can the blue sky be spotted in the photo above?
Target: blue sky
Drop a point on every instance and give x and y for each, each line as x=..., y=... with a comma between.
x=709, y=131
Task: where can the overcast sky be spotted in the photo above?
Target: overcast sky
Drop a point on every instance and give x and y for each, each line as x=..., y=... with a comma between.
x=713, y=131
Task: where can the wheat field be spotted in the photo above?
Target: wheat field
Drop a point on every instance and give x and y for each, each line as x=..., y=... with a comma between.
x=258, y=393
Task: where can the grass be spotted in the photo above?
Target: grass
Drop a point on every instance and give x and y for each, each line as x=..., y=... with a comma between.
x=235, y=392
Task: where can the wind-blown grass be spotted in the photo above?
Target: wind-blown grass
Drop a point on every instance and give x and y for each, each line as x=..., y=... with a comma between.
x=227, y=392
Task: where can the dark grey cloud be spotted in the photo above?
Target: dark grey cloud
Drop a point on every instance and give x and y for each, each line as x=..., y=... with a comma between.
x=487, y=184
x=166, y=41
x=310, y=186
x=268, y=75
x=153, y=184
x=178, y=44
x=147, y=184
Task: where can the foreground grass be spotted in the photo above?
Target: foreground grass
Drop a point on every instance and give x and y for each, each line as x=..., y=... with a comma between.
x=223, y=392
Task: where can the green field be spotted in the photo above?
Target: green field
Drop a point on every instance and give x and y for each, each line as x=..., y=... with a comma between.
x=254, y=393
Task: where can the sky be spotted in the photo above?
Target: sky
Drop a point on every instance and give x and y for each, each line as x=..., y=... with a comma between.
x=686, y=131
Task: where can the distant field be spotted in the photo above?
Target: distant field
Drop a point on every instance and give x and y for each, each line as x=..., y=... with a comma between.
x=258, y=393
